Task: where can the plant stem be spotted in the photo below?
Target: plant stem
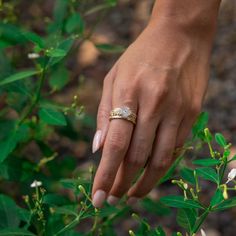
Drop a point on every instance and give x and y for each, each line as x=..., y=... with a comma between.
x=36, y=97
x=223, y=171
x=75, y=221
x=201, y=220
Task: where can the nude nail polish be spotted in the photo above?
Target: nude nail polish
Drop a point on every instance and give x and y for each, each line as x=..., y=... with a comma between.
x=97, y=141
x=132, y=200
x=112, y=200
x=98, y=198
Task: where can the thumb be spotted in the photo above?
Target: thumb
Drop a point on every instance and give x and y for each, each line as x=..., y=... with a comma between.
x=103, y=114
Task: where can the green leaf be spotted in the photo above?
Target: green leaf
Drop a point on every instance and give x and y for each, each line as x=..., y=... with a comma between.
x=59, y=13
x=179, y=202
x=59, y=78
x=73, y=183
x=208, y=174
x=56, y=52
x=24, y=214
x=7, y=147
x=109, y=48
x=186, y=218
x=15, y=232
x=112, y=2
x=11, y=34
x=220, y=139
x=34, y=38
x=200, y=124
x=8, y=212
x=52, y=117
x=75, y=23
x=159, y=231
x=155, y=207
x=66, y=210
x=14, y=137
x=171, y=170
x=230, y=203
x=55, y=199
x=18, y=76
x=188, y=175
x=64, y=46
x=207, y=162
x=217, y=198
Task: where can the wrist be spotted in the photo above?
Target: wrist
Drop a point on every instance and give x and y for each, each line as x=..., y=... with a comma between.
x=195, y=18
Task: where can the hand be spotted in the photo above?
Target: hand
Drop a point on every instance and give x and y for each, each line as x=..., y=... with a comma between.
x=162, y=77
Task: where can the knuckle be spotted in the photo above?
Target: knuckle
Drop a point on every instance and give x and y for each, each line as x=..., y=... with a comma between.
x=140, y=147
x=161, y=93
x=195, y=109
x=117, y=142
x=179, y=103
x=127, y=94
x=107, y=177
x=173, y=123
x=103, y=113
x=159, y=96
x=135, y=162
x=138, y=153
x=164, y=162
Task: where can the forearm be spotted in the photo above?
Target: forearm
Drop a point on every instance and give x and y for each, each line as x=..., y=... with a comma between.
x=198, y=17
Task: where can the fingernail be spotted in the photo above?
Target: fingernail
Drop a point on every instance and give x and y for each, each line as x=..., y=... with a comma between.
x=112, y=200
x=132, y=200
x=98, y=198
x=96, y=141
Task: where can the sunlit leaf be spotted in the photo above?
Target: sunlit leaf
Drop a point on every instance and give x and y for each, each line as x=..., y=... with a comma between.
x=186, y=218
x=208, y=174
x=75, y=23
x=59, y=78
x=220, y=139
x=207, y=162
x=18, y=76
x=52, y=117
x=188, y=175
x=217, y=198
x=179, y=202
x=230, y=203
x=15, y=231
x=109, y=48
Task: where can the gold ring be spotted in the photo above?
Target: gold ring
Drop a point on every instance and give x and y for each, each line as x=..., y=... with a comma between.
x=123, y=113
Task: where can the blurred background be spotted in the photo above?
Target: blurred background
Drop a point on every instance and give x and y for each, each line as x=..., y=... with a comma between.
x=89, y=65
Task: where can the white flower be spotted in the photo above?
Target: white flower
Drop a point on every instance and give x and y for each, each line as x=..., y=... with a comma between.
x=231, y=175
x=36, y=184
x=33, y=55
x=203, y=233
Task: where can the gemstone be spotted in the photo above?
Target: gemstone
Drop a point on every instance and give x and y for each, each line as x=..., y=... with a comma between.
x=126, y=112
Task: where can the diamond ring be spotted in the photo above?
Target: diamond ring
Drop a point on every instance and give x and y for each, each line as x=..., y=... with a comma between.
x=123, y=113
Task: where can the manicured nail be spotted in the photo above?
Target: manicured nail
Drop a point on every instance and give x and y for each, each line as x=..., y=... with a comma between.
x=97, y=141
x=112, y=200
x=98, y=198
x=132, y=200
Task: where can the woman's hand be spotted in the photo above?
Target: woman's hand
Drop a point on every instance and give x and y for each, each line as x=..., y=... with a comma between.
x=162, y=77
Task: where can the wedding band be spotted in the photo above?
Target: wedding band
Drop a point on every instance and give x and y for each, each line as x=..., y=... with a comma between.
x=123, y=113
